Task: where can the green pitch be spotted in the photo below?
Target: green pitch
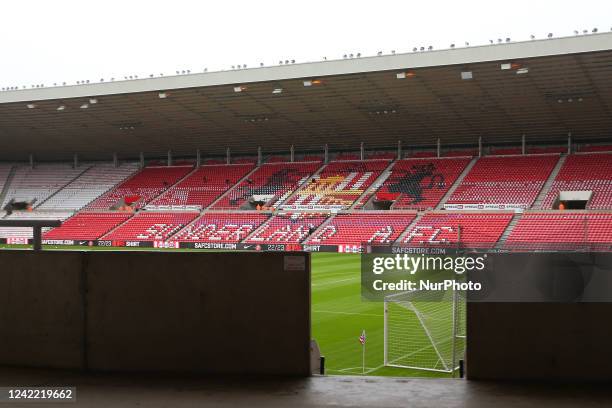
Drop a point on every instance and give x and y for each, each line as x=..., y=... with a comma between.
x=339, y=316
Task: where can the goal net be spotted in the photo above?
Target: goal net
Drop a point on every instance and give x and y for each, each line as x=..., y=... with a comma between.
x=425, y=330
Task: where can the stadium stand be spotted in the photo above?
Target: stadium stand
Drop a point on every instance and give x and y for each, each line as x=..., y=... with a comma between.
x=419, y=183
x=355, y=229
x=221, y=227
x=39, y=182
x=338, y=186
x=87, y=225
x=562, y=230
x=141, y=188
x=201, y=187
x=286, y=228
x=505, y=181
x=481, y=230
x=270, y=184
x=584, y=172
x=151, y=226
x=13, y=234
x=88, y=186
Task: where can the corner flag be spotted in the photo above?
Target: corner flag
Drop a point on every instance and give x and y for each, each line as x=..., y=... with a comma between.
x=362, y=338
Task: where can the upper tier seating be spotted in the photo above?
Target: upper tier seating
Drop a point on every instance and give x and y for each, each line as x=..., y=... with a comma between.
x=142, y=187
x=338, y=186
x=273, y=182
x=87, y=225
x=563, y=230
x=26, y=232
x=40, y=182
x=151, y=226
x=505, y=180
x=287, y=228
x=420, y=183
x=584, y=172
x=221, y=227
x=88, y=186
x=202, y=187
x=472, y=230
x=354, y=229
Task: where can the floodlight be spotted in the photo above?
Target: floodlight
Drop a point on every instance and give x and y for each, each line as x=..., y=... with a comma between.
x=61, y=107
x=307, y=83
x=29, y=105
x=277, y=91
x=400, y=75
x=466, y=75
x=162, y=95
x=84, y=106
x=506, y=65
x=239, y=88
x=93, y=101
x=522, y=71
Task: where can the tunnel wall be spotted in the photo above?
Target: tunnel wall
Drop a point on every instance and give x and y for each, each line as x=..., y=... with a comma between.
x=246, y=313
x=539, y=341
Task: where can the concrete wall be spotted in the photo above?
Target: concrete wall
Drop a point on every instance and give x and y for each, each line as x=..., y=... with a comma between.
x=156, y=311
x=539, y=341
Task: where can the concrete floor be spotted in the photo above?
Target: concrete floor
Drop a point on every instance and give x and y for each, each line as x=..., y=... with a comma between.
x=108, y=390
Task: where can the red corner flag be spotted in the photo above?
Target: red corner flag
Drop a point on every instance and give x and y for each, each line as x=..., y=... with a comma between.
x=362, y=338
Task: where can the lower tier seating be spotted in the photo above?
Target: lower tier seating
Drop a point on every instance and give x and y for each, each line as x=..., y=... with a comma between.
x=354, y=229
x=561, y=230
x=471, y=230
x=221, y=227
x=151, y=226
x=87, y=225
x=287, y=228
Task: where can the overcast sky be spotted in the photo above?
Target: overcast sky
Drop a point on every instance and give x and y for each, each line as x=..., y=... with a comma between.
x=46, y=41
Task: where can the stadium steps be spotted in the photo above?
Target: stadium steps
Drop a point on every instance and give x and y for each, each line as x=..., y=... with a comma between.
x=547, y=186
x=320, y=227
x=7, y=183
x=457, y=183
x=502, y=240
x=196, y=219
x=167, y=188
x=262, y=226
x=409, y=227
x=116, y=226
x=246, y=176
x=63, y=187
x=298, y=188
x=375, y=185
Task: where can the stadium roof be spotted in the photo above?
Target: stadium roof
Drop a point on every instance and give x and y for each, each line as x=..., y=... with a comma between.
x=551, y=87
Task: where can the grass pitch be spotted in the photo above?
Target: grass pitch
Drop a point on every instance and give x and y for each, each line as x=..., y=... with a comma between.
x=339, y=315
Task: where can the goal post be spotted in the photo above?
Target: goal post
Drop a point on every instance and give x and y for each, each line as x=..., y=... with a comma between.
x=424, y=330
